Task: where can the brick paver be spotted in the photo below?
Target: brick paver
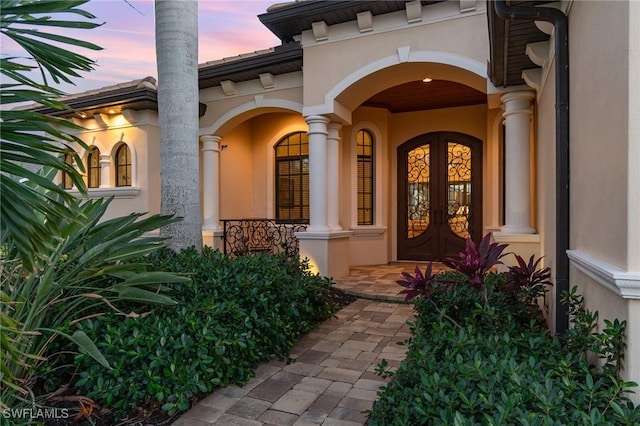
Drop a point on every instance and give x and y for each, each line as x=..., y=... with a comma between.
x=332, y=380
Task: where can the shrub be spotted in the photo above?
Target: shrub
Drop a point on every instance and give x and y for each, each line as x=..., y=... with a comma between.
x=233, y=314
x=476, y=261
x=485, y=357
x=527, y=280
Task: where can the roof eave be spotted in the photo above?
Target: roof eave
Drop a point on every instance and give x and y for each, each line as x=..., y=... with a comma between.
x=273, y=19
x=251, y=67
x=495, y=67
x=121, y=98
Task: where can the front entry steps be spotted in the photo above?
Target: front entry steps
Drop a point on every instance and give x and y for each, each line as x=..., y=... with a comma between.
x=378, y=282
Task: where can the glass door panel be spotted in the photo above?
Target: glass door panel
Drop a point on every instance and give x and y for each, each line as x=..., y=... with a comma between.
x=439, y=195
x=418, y=195
x=458, y=188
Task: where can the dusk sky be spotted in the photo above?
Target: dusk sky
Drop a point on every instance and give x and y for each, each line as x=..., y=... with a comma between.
x=226, y=28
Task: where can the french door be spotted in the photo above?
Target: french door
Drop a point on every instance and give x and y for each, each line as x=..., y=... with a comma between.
x=439, y=195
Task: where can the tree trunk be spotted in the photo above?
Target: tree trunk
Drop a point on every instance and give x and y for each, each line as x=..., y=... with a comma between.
x=177, y=61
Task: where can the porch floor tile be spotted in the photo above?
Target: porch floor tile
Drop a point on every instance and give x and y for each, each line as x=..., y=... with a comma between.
x=378, y=282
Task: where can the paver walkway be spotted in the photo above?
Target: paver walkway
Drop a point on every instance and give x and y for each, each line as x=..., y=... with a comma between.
x=332, y=380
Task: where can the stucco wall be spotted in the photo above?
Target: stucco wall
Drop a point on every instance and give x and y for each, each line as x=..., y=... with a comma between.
x=250, y=99
x=142, y=140
x=633, y=158
x=599, y=91
x=465, y=36
x=397, y=129
x=611, y=306
x=247, y=164
x=605, y=182
x=236, y=173
x=369, y=245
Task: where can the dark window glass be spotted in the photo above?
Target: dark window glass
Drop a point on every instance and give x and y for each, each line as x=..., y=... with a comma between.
x=292, y=178
x=365, y=192
x=93, y=168
x=123, y=166
x=66, y=179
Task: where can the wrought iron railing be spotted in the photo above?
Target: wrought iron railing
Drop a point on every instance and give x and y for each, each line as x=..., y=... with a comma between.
x=248, y=236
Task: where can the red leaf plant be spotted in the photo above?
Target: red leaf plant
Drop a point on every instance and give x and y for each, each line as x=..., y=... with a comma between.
x=417, y=284
x=476, y=262
x=527, y=278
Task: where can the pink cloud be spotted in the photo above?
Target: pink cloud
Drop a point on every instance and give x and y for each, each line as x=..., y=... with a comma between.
x=226, y=28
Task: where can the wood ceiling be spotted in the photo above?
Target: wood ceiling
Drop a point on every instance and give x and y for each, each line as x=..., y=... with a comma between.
x=417, y=95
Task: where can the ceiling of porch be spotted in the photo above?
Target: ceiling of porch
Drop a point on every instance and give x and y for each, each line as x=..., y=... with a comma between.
x=418, y=95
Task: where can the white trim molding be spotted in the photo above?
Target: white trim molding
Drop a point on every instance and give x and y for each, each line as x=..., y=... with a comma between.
x=503, y=237
x=624, y=283
x=368, y=231
x=322, y=235
x=115, y=192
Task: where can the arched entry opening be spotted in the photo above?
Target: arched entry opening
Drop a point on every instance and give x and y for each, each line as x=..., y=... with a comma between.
x=439, y=195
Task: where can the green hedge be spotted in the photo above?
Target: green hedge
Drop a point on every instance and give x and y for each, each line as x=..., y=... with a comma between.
x=232, y=315
x=477, y=361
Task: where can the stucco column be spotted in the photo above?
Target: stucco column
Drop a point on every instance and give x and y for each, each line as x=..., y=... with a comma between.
x=333, y=176
x=211, y=182
x=318, y=212
x=105, y=171
x=517, y=185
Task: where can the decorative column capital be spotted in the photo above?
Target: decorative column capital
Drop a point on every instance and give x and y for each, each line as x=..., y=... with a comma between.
x=317, y=124
x=210, y=142
x=527, y=95
x=518, y=102
x=334, y=129
x=105, y=159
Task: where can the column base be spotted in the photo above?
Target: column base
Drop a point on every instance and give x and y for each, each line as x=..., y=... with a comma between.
x=213, y=238
x=328, y=252
x=523, y=245
x=517, y=229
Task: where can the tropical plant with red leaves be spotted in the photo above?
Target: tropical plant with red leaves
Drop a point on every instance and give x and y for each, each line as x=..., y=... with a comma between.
x=527, y=279
x=476, y=261
x=417, y=284
x=420, y=284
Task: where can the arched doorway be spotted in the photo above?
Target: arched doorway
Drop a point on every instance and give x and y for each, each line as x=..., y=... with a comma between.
x=439, y=195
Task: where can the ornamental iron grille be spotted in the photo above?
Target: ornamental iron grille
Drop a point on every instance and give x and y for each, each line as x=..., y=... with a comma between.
x=250, y=236
x=459, y=189
x=418, y=195
x=439, y=195
x=457, y=214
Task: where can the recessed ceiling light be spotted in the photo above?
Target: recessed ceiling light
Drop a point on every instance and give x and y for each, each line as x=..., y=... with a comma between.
x=112, y=111
x=427, y=79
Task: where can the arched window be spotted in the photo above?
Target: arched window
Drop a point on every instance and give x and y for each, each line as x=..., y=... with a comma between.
x=365, y=156
x=67, y=183
x=123, y=166
x=292, y=178
x=93, y=168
